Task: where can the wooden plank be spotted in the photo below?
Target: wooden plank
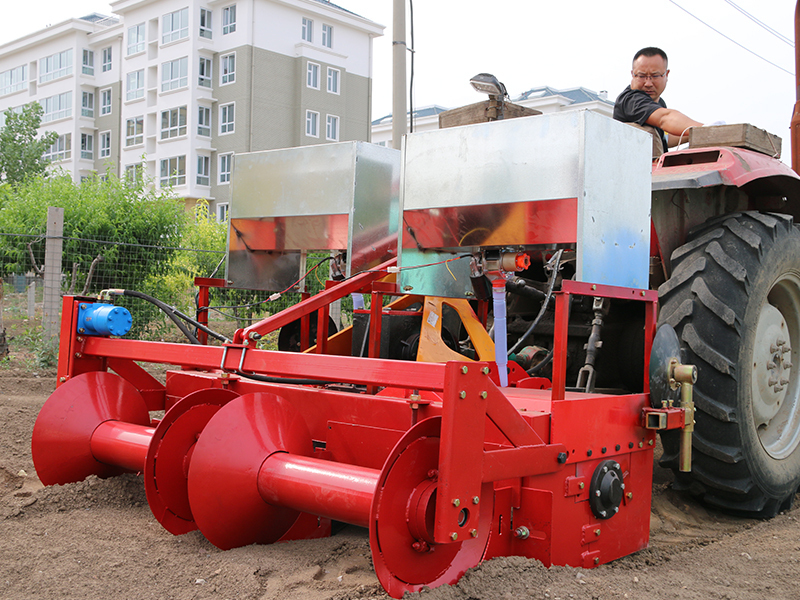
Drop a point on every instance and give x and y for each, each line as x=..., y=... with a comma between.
x=480, y=112
x=739, y=135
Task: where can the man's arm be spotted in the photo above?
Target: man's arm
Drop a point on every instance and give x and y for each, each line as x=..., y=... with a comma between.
x=674, y=123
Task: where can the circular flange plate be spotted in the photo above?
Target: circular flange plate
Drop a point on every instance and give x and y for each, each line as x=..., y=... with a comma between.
x=61, y=441
x=401, y=562
x=223, y=472
x=167, y=462
x=666, y=348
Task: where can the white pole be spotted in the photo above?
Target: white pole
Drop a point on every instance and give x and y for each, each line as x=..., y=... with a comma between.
x=399, y=50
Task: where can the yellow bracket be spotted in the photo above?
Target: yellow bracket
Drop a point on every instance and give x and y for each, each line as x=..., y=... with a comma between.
x=431, y=345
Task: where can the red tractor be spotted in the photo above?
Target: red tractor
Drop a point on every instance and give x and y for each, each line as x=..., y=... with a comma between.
x=450, y=444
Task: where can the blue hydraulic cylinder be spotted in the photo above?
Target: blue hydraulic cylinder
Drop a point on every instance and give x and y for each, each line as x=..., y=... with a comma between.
x=103, y=319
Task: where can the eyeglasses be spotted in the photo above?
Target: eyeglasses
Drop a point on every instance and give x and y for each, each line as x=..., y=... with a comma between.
x=653, y=77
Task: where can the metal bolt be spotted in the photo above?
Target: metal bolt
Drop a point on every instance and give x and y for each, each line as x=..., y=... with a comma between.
x=594, y=287
x=597, y=560
x=474, y=533
x=781, y=342
x=83, y=306
x=650, y=442
x=773, y=348
x=772, y=381
x=629, y=495
x=433, y=474
x=778, y=388
x=454, y=536
x=485, y=370
x=81, y=330
x=408, y=288
x=642, y=293
x=787, y=364
x=616, y=509
x=605, y=469
x=464, y=370
x=640, y=444
x=588, y=453
x=597, y=493
x=597, y=532
x=77, y=355
x=581, y=485
x=522, y=532
x=786, y=349
x=475, y=500
x=484, y=395
x=456, y=502
x=62, y=379
x=784, y=382
x=603, y=513
x=462, y=394
x=622, y=486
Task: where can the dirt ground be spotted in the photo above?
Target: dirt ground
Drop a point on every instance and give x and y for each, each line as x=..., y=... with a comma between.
x=97, y=540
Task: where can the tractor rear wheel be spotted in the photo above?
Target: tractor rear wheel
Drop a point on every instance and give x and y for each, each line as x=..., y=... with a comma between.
x=734, y=300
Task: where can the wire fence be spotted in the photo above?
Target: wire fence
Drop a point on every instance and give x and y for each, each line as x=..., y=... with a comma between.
x=154, y=267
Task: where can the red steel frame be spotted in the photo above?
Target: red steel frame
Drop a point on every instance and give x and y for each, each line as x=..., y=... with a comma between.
x=537, y=448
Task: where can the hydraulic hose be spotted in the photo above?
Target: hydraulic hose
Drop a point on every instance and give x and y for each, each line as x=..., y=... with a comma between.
x=556, y=260
x=168, y=310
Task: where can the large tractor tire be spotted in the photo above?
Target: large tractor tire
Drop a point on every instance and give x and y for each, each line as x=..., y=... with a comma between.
x=734, y=300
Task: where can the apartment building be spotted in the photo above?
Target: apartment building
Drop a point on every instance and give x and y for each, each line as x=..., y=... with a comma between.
x=175, y=88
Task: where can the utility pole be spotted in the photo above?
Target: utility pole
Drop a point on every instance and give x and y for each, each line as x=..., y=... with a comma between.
x=399, y=49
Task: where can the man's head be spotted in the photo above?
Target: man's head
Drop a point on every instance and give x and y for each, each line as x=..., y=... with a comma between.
x=649, y=72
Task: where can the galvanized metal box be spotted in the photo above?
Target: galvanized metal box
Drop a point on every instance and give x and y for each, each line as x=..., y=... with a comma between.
x=574, y=179
x=330, y=197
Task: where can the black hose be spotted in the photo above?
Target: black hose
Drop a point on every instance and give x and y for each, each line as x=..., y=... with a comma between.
x=267, y=379
x=545, y=302
x=168, y=310
x=538, y=367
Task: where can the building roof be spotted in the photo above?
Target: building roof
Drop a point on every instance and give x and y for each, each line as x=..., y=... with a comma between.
x=332, y=5
x=98, y=18
x=425, y=111
x=576, y=95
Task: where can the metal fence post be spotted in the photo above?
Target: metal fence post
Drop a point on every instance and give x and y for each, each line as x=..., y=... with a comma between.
x=52, y=271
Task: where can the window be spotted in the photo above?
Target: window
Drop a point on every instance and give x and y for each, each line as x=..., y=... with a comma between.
x=87, y=146
x=88, y=62
x=204, y=121
x=105, y=102
x=105, y=144
x=205, y=23
x=308, y=30
x=173, y=171
x=228, y=68
x=332, y=128
x=136, y=39
x=134, y=131
x=174, y=74
x=312, y=76
x=327, y=35
x=16, y=109
x=312, y=120
x=225, y=167
x=55, y=66
x=333, y=80
x=175, y=26
x=173, y=122
x=133, y=173
x=226, y=117
x=60, y=150
x=203, y=170
x=222, y=212
x=87, y=104
x=228, y=19
x=57, y=107
x=135, y=85
x=204, y=72
x=13, y=80
x=106, y=59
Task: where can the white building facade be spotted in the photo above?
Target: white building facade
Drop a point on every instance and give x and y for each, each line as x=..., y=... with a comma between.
x=175, y=88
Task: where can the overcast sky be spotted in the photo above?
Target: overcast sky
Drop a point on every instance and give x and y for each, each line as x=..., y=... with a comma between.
x=563, y=44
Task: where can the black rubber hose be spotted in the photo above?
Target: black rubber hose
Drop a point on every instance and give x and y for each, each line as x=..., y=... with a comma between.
x=267, y=379
x=538, y=367
x=168, y=310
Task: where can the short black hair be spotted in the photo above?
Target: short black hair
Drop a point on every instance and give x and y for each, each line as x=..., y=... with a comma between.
x=651, y=51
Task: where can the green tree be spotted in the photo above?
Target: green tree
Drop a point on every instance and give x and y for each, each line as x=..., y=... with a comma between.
x=21, y=152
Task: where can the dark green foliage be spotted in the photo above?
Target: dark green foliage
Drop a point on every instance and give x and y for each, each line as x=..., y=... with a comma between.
x=20, y=149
